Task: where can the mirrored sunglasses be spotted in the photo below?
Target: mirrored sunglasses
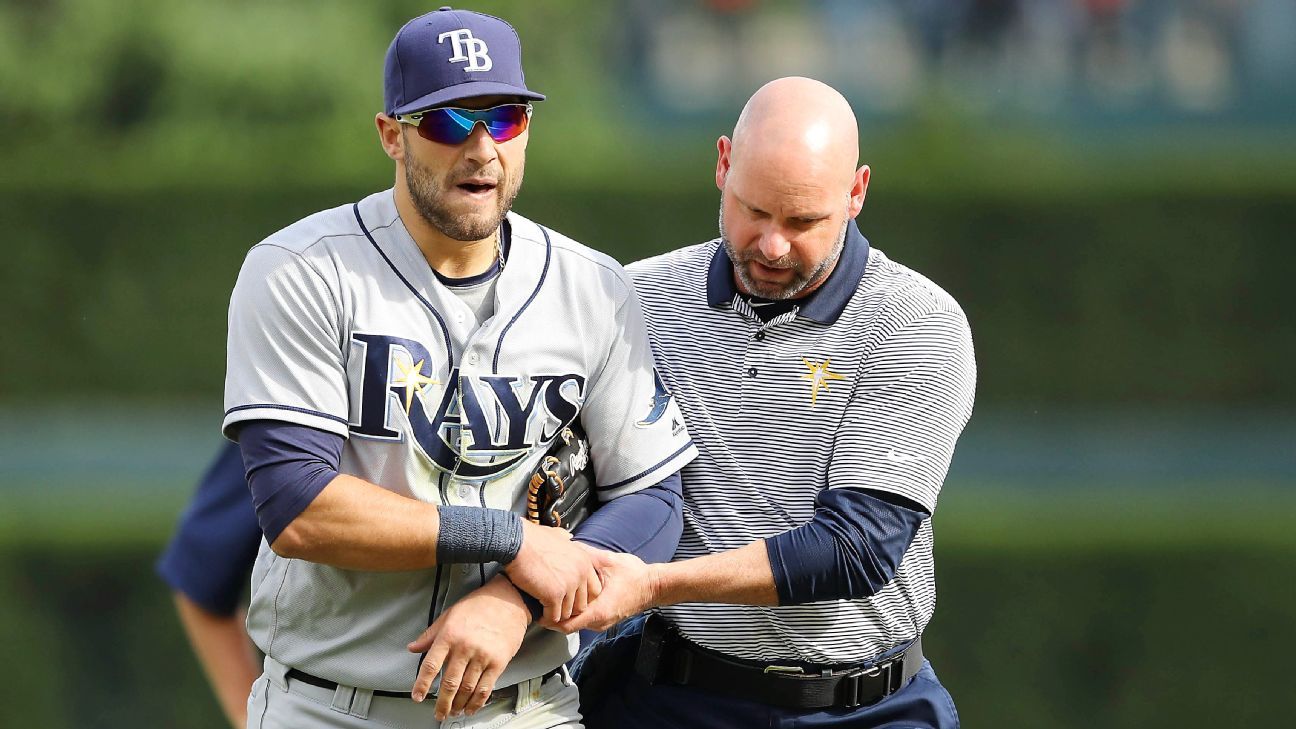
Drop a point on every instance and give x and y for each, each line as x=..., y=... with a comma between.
x=451, y=125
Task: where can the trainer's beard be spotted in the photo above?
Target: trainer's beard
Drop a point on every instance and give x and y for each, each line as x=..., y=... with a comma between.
x=429, y=201
x=801, y=279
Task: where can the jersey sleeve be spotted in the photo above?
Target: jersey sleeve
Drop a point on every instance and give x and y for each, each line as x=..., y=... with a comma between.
x=637, y=435
x=285, y=358
x=914, y=396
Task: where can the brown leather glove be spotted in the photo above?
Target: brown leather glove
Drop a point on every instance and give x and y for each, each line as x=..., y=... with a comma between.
x=561, y=490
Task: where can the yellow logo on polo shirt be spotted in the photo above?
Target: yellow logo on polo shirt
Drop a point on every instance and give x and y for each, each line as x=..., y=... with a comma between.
x=819, y=375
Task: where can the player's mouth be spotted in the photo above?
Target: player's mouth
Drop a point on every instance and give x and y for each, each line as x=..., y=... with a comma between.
x=478, y=187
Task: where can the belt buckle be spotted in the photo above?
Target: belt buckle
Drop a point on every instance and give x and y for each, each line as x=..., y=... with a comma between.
x=852, y=684
x=784, y=670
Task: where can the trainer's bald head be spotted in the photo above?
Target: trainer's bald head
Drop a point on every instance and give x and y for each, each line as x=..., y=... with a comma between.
x=798, y=126
x=789, y=187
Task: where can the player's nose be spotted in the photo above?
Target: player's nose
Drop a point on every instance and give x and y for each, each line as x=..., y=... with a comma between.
x=479, y=147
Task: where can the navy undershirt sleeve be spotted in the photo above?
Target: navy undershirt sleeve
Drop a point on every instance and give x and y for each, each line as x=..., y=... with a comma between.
x=210, y=555
x=287, y=466
x=850, y=549
x=646, y=523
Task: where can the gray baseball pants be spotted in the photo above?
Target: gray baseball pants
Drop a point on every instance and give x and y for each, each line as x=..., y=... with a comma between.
x=278, y=702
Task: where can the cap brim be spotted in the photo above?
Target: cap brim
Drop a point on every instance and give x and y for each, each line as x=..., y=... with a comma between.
x=465, y=91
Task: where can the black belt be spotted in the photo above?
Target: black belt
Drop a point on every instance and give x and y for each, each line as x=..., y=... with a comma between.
x=508, y=692
x=667, y=657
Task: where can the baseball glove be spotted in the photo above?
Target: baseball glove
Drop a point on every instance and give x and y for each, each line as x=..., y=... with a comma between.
x=561, y=490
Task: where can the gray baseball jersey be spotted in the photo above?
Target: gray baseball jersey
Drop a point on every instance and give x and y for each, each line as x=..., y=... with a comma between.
x=338, y=323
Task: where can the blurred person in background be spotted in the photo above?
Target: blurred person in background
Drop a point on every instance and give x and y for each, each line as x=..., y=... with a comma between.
x=207, y=564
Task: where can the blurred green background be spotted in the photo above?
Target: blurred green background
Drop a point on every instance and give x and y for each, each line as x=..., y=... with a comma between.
x=1107, y=186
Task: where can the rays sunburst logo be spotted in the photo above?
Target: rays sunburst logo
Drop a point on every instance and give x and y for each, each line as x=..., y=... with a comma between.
x=819, y=376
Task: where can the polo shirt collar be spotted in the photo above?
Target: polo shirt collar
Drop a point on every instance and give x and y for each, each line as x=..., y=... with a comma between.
x=823, y=305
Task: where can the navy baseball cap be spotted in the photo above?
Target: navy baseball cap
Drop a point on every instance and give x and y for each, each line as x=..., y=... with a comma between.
x=452, y=54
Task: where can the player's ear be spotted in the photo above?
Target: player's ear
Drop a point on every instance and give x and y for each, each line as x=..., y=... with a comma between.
x=723, y=145
x=389, y=135
x=859, y=188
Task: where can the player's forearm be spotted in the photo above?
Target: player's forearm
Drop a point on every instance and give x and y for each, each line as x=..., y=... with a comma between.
x=354, y=524
x=226, y=655
x=740, y=576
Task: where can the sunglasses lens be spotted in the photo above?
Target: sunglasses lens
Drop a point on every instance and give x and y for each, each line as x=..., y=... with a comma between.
x=453, y=126
x=508, y=124
x=444, y=126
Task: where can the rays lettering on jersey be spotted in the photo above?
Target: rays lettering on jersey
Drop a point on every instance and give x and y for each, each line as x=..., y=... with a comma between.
x=482, y=426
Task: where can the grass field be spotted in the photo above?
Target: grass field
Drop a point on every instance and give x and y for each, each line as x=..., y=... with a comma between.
x=1234, y=513
x=143, y=512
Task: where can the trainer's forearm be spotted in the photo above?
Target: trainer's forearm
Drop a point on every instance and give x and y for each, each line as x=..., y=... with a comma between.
x=222, y=646
x=354, y=524
x=740, y=576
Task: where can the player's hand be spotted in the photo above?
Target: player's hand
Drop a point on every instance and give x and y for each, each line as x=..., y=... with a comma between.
x=554, y=570
x=629, y=588
x=469, y=645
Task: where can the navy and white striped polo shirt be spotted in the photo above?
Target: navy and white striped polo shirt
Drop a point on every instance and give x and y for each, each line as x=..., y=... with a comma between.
x=867, y=384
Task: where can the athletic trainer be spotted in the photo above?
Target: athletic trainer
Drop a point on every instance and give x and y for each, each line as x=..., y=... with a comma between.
x=825, y=386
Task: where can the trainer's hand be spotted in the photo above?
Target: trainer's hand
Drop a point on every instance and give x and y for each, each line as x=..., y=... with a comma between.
x=629, y=588
x=554, y=570
x=470, y=645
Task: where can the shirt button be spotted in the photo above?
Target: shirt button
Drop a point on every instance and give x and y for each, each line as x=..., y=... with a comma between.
x=751, y=371
x=463, y=490
x=472, y=358
x=760, y=336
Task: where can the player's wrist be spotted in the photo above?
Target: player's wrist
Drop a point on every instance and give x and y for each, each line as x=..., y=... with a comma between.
x=525, y=546
x=469, y=534
x=533, y=606
x=504, y=589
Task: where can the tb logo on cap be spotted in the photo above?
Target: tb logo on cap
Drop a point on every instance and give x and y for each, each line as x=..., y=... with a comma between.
x=469, y=49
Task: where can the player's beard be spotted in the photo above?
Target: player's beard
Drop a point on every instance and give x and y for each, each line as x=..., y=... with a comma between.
x=429, y=198
x=801, y=278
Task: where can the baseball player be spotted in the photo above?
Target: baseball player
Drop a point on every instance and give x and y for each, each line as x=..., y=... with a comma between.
x=397, y=367
x=826, y=400
x=206, y=564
